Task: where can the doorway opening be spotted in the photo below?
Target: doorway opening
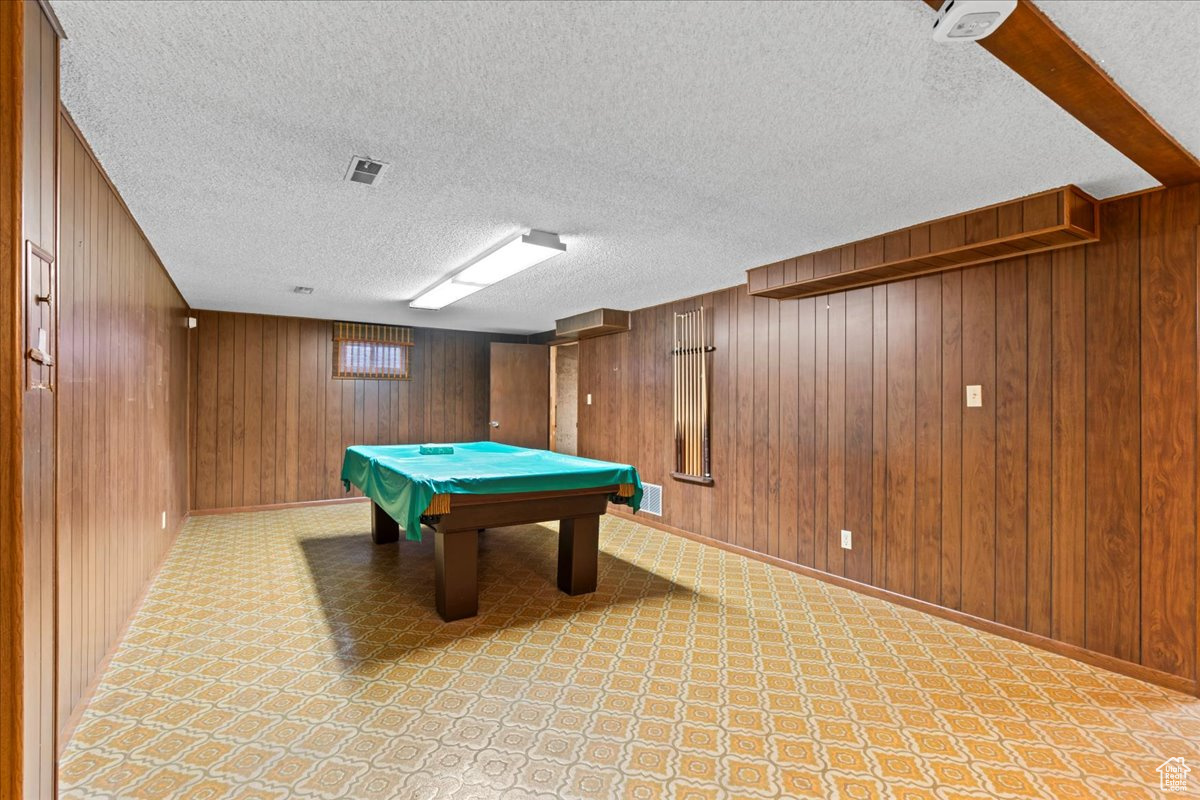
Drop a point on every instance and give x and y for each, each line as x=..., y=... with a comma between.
x=564, y=398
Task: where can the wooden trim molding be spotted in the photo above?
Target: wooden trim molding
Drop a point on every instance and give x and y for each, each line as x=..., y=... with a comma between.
x=598, y=322
x=52, y=18
x=207, y=512
x=699, y=480
x=1032, y=46
x=1059, y=218
x=12, y=24
x=1148, y=674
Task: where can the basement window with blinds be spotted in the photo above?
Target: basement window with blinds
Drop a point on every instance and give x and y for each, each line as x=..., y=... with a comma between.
x=375, y=352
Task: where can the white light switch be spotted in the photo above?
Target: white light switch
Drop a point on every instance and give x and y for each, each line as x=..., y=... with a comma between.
x=974, y=396
x=846, y=540
x=589, y=398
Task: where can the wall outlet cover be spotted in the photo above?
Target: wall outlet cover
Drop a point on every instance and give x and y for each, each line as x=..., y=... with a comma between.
x=974, y=396
x=846, y=540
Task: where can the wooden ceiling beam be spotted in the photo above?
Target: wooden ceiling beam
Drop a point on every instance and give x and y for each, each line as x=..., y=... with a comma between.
x=1032, y=46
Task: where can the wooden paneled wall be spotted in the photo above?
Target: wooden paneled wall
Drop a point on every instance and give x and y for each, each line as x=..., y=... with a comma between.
x=271, y=423
x=122, y=404
x=1066, y=506
x=39, y=216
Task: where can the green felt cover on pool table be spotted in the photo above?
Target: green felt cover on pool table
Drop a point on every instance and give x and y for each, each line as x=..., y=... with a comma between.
x=403, y=482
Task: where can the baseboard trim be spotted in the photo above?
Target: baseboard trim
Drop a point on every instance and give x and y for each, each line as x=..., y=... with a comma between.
x=208, y=512
x=85, y=699
x=1090, y=657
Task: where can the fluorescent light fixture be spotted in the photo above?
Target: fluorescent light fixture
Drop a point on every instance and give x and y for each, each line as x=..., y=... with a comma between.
x=497, y=264
x=445, y=293
x=509, y=259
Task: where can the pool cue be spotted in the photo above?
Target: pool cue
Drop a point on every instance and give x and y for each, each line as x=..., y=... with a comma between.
x=704, y=444
x=695, y=394
x=675, y=364
x=700, y=378
x=691, y=382
x=696, y=421
x=682, y=402
x=687, y=383
x=692, y=392
x=687, y=365
x=683, y=415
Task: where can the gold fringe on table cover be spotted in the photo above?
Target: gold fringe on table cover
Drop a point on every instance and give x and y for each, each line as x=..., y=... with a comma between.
x=440, y=504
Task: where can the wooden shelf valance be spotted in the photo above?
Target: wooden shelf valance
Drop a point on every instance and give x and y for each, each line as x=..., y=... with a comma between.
x=1050, y=220
x=598, y=322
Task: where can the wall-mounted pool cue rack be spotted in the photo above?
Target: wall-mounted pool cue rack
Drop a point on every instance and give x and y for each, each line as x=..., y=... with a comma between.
x=690, y=356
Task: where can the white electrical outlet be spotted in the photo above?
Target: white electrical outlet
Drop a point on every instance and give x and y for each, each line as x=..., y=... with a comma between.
x=846, y=540
x=164, y=520
x=974, y=396
x=589, y=398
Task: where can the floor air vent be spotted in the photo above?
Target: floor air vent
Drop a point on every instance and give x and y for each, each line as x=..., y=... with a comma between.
x=652, y=499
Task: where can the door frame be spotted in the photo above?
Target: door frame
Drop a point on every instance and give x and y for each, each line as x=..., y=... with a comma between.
x=12, y=384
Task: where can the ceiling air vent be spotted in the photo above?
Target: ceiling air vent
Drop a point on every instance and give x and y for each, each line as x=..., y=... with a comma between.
x=302, y=289
x=364, y=170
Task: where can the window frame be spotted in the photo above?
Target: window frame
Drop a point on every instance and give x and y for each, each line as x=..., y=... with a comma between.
x=399, y=337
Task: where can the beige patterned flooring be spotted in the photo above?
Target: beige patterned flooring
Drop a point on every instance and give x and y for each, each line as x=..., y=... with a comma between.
x=281, y=654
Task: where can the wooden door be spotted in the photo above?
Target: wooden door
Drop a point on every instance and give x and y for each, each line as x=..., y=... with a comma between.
x=520, y=395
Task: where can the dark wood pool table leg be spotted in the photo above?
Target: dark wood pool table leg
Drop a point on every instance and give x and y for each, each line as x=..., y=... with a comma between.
x=578, y=544
x=384, y=529
x=455, y=557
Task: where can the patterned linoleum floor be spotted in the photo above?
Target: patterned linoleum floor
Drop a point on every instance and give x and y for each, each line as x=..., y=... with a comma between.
x=281, y=654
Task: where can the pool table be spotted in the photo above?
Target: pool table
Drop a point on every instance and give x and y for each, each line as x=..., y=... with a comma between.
x=488, y=485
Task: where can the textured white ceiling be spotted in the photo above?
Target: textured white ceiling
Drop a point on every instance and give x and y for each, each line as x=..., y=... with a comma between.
x=672, y=145
x=1150, y=48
